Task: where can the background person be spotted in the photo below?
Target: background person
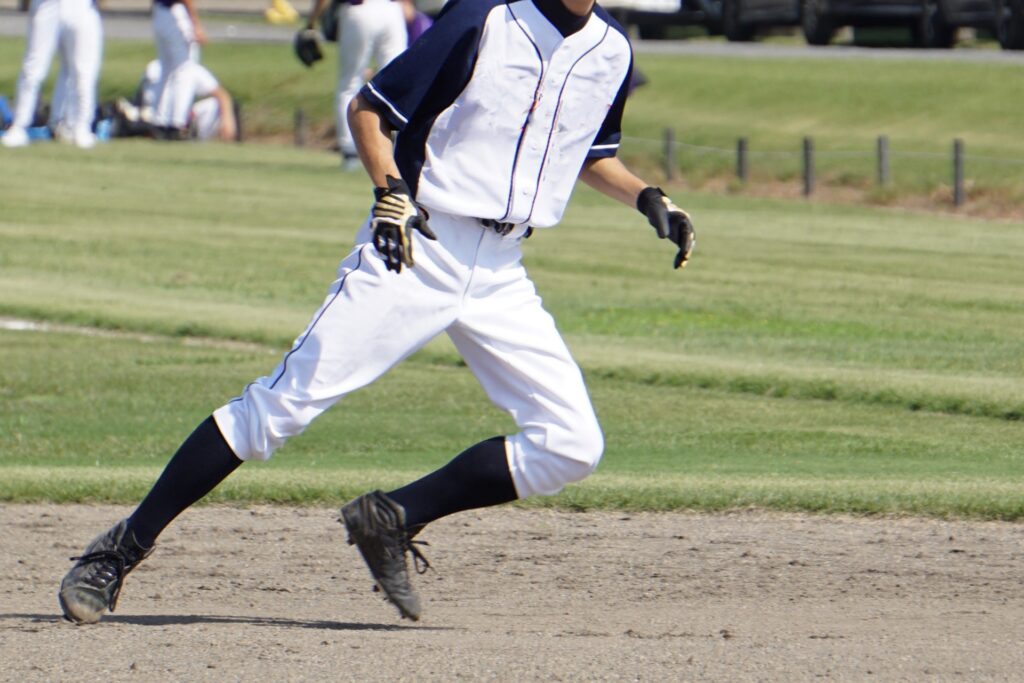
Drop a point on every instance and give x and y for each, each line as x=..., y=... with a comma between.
x=416, y=22
x=212, y=114
x=73, y=27
x=368, y=31
x=178, y=36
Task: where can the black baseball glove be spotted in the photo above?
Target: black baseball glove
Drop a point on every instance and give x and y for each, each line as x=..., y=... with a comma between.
x=669, y=221
x=395, y=216
x=307, y=47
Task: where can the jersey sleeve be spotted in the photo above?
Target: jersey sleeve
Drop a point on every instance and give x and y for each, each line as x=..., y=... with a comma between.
x=425, y=79
x=606, y=142
x=205, y=81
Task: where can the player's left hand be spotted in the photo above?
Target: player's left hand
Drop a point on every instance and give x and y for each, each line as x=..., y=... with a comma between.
x=669, y=221
x=395, y=216
x=307, y=47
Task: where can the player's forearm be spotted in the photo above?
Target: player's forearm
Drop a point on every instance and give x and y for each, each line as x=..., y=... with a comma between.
x=372, y=135
x=228, y=124
x=610, y=176
x=315, y=12
x=193, y=14
x=190, y=7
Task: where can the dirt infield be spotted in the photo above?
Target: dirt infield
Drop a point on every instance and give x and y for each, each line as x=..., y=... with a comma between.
x=274, y=594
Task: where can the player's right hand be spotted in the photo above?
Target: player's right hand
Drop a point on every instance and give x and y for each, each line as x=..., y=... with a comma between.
x=395, y=215
x=669, y=221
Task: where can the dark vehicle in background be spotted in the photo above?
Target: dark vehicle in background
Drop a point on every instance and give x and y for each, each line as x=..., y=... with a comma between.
x=932, y=23
x=1010, y=23
x=652, y=18
x=743, y=20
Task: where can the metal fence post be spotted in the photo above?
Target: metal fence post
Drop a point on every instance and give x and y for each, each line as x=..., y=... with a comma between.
x=670, y=153
x=741, y=159
x=958, y=172
x=300, y=128
x=808, y=166
x=236, y=106
x=883, y=161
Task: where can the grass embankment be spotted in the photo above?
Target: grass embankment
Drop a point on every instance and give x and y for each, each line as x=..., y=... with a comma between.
x=843, y=104
x=811, y=358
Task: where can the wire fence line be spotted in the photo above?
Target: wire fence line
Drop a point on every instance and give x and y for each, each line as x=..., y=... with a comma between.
x=808, y=156
x=835, y=153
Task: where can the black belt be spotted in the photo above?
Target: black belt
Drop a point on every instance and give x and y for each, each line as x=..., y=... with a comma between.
x=503, y=229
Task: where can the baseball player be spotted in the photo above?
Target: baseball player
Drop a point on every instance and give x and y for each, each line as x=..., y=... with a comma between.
x=178, y=35
x=74, y=27
x=212, y=114
x=498, y=109
x=416, y=22
x=367, y=30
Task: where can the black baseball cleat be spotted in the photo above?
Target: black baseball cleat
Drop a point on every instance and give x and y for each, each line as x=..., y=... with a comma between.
x=94, y=583
x=376, y=526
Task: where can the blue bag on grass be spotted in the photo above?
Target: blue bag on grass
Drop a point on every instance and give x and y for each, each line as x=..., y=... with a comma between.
x=6, y=115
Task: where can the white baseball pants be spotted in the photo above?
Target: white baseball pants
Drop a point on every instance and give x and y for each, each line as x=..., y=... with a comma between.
x=469, y=283
x=373, y=30
x=176, y=48
x=74, y=27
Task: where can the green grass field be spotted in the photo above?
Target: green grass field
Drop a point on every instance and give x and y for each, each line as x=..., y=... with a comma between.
x=813, y=357
x=844, y=104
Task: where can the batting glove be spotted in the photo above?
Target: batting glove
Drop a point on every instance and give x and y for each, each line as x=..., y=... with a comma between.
x=395, y=216
x=669, y=221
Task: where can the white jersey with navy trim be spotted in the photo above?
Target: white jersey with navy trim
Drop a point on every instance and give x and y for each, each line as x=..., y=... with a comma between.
x=477, y=142
x=498, y=105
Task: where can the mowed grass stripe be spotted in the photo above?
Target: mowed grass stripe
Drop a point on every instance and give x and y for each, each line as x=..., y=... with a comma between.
x=910, y=310
x=95, y=418
x=997, y=500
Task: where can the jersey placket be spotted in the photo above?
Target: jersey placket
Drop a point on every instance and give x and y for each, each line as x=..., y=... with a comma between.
x=536, y=137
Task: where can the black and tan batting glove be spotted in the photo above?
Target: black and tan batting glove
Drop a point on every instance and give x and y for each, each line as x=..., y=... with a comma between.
x=669, y=221
x=395, y=216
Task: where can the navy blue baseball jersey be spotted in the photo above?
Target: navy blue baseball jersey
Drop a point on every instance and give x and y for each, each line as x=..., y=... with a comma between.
x=499, y=104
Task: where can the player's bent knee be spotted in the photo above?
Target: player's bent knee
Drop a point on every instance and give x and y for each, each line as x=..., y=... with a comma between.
x=258, y=423
x=590, y=449
x=543, y=464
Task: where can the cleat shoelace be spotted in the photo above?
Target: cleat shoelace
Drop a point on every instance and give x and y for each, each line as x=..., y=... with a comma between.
x=111, y=567
x=403, y=541
x=418, y=558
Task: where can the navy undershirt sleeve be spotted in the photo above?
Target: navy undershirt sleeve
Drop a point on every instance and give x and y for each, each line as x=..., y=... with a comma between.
x=610, y=132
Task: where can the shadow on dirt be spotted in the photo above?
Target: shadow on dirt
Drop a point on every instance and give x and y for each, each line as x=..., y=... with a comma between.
x=188, y=619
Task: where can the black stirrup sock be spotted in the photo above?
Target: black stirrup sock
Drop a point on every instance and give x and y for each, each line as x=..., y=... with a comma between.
x=202, y=462
x=478, y=477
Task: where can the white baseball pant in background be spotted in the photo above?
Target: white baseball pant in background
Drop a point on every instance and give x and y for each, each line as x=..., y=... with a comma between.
x=204, y=114
x=469, y=283
x=74, y=27
x=176, y=47
x=372, y=30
